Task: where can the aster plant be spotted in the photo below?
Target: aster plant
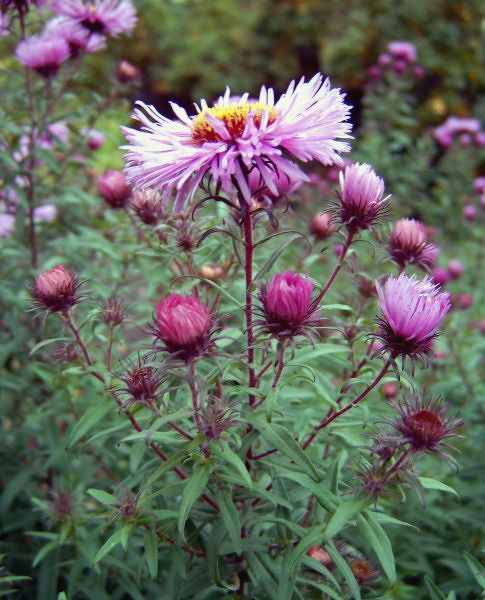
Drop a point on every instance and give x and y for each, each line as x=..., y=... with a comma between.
x=230, y=358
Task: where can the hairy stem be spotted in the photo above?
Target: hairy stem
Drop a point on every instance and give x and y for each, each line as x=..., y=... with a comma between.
x=335, y=272
x=248, y=310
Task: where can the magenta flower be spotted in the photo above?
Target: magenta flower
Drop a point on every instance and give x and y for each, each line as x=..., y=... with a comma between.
x=408, y=244
x=183, y=324
x=362, y=200
x=412, y=311
x=404, y=51
x=440, y=276
x=233, y=137
x=455, y=268
x=470, y=212
x=75, y=35
x=43, y=54
x=114, y=189
x=56, y=289
x=287, y=305
x=101, y=17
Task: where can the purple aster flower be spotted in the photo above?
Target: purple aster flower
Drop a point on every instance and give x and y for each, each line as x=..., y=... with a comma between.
x=235, y=137
x=404, y=51
x=361, y=196
x=76, y=36
x=43, y=54
x=45, y=213
x=4, y=25
x=287, y=305
x=408, y=244
x=7, y=225
x=102, y=17
x=412, y=311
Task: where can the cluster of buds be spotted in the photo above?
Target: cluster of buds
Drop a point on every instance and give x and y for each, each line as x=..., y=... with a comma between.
x=408, y=244
x=421, y=426
x=400, y=58
x=466, y=130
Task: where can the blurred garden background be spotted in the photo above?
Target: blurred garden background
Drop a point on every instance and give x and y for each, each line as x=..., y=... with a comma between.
x=418, y=116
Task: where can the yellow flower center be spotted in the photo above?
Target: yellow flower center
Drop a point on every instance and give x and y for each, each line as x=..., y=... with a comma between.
x=234, y=116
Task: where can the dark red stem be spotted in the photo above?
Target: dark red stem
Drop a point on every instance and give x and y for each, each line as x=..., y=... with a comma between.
x=325, y=422
x=248, y=310
x=339, y=265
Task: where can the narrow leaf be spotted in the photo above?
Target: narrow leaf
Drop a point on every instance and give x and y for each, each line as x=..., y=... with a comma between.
x=93, y=415
x=193, y=489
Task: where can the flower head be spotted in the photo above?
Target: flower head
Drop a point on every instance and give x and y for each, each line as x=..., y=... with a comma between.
x=147, y=204
x=408, y=244
x=237, y=136
x=56, y=289
x=44, y=54
x=45, y=213
x=412, y=311
x=114, y=189
x=77, y=37
x=7, y=225
x=142, y=383
x=423, y=424
x=183, y=324
x=404, y=51
x=362, y=200
x=100, y=17
x=287, y=305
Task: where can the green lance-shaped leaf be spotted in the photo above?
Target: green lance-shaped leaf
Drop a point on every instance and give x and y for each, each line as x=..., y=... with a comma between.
x=93, y=415
x=377, y=539
x=110, y=543
x=230, y=516
x=280, y=438
x=433, y=484
x=151, y=552
x=193, y=489
x=477, y=569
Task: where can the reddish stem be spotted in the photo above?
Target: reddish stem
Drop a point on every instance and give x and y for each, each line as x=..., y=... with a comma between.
x=339, y=265
x=82, y=346
x=325, y=422
x=248, y=266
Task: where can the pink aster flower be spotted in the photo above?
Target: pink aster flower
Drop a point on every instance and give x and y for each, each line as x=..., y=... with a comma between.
x=362, y=200
x=7, y=225
x=102, y=17
x=408, y=244
x=404, y=51
x=43, y=54
x=235, y=137
x=76, y=36
x=412, y=311
x=287, y=305
x=45, y=213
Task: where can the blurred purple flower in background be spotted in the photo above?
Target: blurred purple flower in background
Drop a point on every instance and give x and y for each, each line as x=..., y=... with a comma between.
x=100, y=17
x=43, y=54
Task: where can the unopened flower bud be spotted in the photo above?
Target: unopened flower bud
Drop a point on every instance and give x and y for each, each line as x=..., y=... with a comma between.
x=321, y=226
x=390, y=390
x=366, y=287
x=455, y=269
x=114, y=188
x=126, y=72
x=287, y=303
x=183, y=324
x=363, y=570
x=113, y=312
x=407, y=244
x=362, y=200
x=470, y=213
x=440, y=276
x=212, y=272
x=321, y=555
x=147, y=204
x=462, y=301
x=56, y=289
